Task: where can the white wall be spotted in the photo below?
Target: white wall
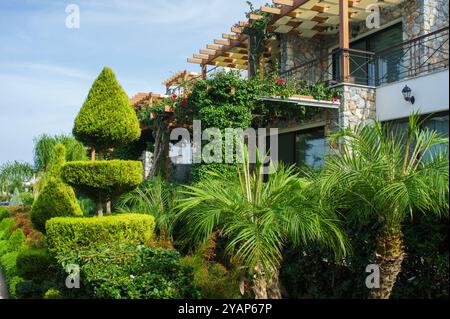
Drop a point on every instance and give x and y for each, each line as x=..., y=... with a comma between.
x=431, y=93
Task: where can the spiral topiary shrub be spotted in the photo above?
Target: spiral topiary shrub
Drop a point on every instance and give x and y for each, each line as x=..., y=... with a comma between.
x=55, y=200
x=106, y=119
x=105, y=177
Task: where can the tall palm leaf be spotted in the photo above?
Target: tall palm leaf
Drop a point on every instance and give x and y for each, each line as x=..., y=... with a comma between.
x=387, y=174
x=258, y=219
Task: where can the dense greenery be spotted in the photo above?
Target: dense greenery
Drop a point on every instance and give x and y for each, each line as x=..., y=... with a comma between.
x=132, y=272
x=44, y=150
x=56, y=199
x=14, y=175
x=258, y=220
x=104, y=177
x=384, y=174
x=35, y=264
x=106, y=119
x=3, y=213
x=67, y=234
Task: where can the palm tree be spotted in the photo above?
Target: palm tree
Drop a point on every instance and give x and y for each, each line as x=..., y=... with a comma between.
x=386, y=174
x=258, y=220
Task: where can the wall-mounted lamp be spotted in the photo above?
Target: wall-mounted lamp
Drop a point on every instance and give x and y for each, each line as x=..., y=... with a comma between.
x=407, y=94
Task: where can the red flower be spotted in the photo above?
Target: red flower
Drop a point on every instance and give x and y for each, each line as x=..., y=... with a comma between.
x=280, y=82
x=183, y=102
x=174, y=97
x=336, y=99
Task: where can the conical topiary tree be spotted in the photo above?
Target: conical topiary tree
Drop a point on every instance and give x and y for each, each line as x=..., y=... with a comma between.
x=56, y=198
x=106, y=121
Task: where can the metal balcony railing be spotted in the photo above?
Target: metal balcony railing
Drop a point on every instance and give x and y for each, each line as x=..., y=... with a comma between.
x=422, y=55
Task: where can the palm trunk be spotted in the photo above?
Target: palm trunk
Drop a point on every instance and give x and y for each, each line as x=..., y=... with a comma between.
x=264, y=289
x=389, y=257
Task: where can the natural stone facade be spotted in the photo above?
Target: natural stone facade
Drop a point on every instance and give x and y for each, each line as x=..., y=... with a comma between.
x=357, y=105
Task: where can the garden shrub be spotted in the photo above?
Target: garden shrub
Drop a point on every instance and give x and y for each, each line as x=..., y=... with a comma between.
x=130, y=271
x=3, y=213
x=107, y=177
x=55, y=200
x=53, y=293
x=6, y=228
x=213, y=279
x=17, y=240
x=12, y=285
x=27, y=199
x=106, y=118
x=35, y=264
x=67, y=234
x=28, y=289
x=4, y=247
x=8, y=264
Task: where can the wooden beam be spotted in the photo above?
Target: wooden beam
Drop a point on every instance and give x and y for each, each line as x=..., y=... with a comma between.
x=204, y=71
x=222, y=42
x=201, y=56
x=287, y=9
x=271, y=10
x=207, y=52
x=191, y=60
x=344, y=39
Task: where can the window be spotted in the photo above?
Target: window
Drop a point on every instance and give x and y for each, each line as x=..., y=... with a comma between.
x=304, y=148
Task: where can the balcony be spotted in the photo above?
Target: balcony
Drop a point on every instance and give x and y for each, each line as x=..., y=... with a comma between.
x=420, y=56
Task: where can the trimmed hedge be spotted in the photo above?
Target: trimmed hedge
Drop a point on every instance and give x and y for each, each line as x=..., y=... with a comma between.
x=6, y=228
x=107, y=177
x=55, y=200
x=106, y=119
x=69, y=234
x=3, y=213
x=35, y=264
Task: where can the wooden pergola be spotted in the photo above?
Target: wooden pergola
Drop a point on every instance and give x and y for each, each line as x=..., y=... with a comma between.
x=180, y=79
x=305, y=18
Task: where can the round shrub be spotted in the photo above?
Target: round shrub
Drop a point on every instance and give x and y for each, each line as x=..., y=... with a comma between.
x=3, y=213
x=65, y=235
x=35, y=264
x=106, y=119
x=12, y=284
x=105, y=177
x=17, y=240
x=53, y=293
x=55, y=200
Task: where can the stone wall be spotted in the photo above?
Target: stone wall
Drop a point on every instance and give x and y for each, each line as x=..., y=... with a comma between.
x=357, y=105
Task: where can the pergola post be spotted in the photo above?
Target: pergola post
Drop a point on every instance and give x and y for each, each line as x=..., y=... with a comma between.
x=204, y=71
x=344, y=39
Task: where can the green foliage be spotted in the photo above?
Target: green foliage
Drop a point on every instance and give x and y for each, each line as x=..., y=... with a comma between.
x=6, y=228
x=27, y=199
x=106, y=119
x=258, y=220
x=17, y=240
x=44, y=150
x=15, y=199
x=132, y=272
x=213, y=280
x=12, y=285
x=106, y=177
x=14, y=175
x=55, y=200
x=3, y=213
x=53, y=293
x=8, y=264
x=35, y=264
x=69, y=234
x=154, y=197
x=28, y=289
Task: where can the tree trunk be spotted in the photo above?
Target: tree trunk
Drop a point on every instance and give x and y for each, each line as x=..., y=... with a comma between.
x=389, y=257
x=92, y=154
x=108, y=205
x=100, y=205
x=264, y=289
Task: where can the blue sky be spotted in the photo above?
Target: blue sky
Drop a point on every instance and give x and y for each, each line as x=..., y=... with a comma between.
x=46, y=69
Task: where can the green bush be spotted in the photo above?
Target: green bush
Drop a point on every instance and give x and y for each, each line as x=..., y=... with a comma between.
x=8, y=264
x=35, y=264
x=12, y=285
x=28, y=289
x=106, y=177
x=27, y=199
x=6, y=228
x=68, y=234
x=17, y=240
x=3, y=213
x=53, y=293
x=213, y=280
x=55, y=200
x=106, y=119
x=130, y=271
x=4, y=247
